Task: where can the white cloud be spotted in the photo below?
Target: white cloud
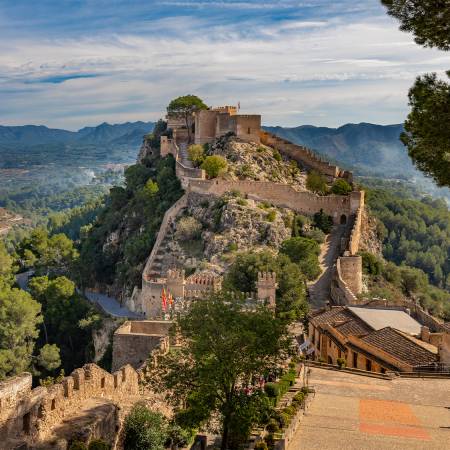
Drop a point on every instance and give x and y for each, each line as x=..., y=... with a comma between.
x=294, y=72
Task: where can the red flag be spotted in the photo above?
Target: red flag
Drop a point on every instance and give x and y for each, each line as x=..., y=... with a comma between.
x=164, y=300
x=171, y=299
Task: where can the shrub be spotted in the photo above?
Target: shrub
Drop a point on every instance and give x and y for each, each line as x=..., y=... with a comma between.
x=273, y=426
x=272, y=390
x=316, y=182
x=214, y=166
x=323, y=221
x=341, y=362
x=260, y=149
x=271, y=216
x=242, y=202
x=276, y=155
x=341, y=187
x=188, y=228
x=289, y=410
x=284, y=420
x=316, y=235
x=77, y=445
x=261, y=445
x=371, y=264
x=98, y=444
x=232, y=247
x=144, y=429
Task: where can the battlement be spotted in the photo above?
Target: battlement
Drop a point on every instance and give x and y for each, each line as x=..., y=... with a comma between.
x=28, y=415
x=267, y=278
x=175, y=275
x=232, y=110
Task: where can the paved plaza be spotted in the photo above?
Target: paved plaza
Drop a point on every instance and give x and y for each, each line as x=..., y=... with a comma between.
x=358, y=412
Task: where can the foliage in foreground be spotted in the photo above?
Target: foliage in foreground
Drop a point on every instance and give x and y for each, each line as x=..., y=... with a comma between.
x=216, y=372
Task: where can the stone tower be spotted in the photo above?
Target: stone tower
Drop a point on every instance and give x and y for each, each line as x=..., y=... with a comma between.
x=175, y=282
x=267, y=286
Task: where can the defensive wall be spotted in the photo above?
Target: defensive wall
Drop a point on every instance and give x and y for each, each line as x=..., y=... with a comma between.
x=304, y=156
x=27, y=416
x=134, y=341
x=304, y=202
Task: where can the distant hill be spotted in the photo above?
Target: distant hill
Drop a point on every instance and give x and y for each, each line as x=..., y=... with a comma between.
x=366, y=148
x=130, y=132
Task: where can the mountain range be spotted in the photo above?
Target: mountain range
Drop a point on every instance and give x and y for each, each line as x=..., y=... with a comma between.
x=130, y=133
x=365, y=148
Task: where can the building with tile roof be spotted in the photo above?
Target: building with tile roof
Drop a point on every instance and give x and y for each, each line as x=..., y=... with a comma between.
x=375, y=339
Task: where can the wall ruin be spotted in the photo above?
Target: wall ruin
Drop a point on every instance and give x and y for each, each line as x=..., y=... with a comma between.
x=28, y=416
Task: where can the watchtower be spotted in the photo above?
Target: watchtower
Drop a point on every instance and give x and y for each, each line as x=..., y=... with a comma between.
x=267, y=286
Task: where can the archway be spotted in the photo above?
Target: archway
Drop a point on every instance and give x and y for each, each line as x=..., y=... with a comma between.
x=330, y=360
x=343, y=219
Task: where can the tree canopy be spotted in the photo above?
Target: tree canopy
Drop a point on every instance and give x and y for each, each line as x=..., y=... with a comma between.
x=184, y=107
x=427, y=130
x=428, y=20
x=214, y=165
x=225, y=350
x=427, y=134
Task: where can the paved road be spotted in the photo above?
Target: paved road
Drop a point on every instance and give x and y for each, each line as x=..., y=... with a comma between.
x=319, y=289
x=110, y=305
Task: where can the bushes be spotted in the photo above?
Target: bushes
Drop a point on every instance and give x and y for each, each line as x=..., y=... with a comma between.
x=271, y=216
x=323, y=221
x=214, y=166
x=272, y=390
x=371, y=264
x=188, y=228
x=196, y=153
x=316, y=183
x=276, y=155
x=341, y=187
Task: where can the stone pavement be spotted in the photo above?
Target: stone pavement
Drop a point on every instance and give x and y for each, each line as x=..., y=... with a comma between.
x=354, y=412
x=110, y=305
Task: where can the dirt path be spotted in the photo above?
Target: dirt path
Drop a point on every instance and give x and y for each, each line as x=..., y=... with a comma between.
x=319, y=289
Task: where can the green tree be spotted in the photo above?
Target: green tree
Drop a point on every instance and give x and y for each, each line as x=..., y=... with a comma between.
x=214, y=166
x=6, y=266
x=413, y=280
x=428, y=20
x=225, y=349
x=371, y=264
x=196, y=154
x=427, y=134
x=184, y=107
x=304, y=252
x=144, y=429
x=323, y=221
x=49, y=357
x=316, y=183
x=341, y=187
x=19, y=320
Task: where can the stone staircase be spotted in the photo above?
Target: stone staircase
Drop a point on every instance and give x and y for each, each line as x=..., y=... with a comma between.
x=158, y=268
x=183, y=153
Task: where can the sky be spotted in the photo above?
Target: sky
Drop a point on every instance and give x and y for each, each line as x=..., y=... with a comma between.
x=74, y=63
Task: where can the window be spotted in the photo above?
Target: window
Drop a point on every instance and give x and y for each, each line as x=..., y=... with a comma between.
x=368, y=365
x=330, y=361
x=248, y=130
x=53, y=404
x=339, y=353
x=103, y=383
x=355, y=359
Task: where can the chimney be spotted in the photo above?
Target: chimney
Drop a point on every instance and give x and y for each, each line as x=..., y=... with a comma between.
x=425, y=334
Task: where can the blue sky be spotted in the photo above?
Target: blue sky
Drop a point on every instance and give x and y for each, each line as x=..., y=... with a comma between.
x=73, y=63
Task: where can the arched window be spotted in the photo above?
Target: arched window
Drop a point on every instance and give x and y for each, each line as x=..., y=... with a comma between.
x=343, y=219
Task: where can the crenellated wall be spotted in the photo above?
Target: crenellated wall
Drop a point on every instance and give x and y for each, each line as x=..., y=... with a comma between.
x=304, y=156
x=27, y=416
x=284, y=195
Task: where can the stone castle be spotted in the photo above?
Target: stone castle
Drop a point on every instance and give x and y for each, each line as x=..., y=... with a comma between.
x=208, y=125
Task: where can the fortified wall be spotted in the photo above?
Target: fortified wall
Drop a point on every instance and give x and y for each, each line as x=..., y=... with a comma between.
x=28, y=416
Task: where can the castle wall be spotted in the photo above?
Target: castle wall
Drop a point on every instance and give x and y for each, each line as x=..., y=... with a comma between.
x=279, y=194
x=351, y=272
x=135, y=340
x=248, y=127
x=28, y=415
x=205, y=126
x=304, y=156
